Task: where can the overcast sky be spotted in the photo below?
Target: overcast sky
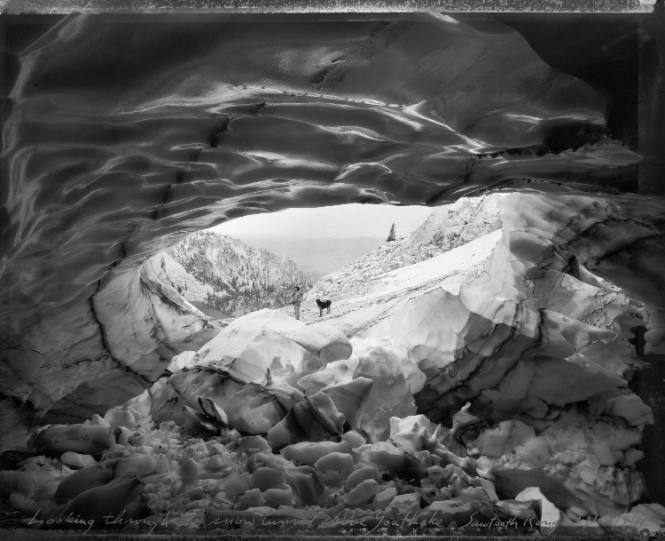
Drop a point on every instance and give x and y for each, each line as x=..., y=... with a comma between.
x=353, y=220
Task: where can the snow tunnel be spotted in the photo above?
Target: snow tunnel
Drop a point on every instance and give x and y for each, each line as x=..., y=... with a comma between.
x=525, y=316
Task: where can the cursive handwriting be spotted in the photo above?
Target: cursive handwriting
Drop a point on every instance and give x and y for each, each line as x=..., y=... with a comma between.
x=409, y=521
x=120, y=520
x=497, y=522
x=71, y=519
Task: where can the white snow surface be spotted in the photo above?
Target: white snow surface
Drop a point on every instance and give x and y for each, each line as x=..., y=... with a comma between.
x=447, y=269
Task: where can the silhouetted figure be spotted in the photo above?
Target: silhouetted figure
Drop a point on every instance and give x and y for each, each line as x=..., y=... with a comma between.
x=296, y=300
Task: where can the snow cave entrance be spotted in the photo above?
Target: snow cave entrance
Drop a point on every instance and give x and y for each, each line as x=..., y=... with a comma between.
x=451, y=374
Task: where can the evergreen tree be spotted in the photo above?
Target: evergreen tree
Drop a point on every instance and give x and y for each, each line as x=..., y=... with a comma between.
x=391, y=235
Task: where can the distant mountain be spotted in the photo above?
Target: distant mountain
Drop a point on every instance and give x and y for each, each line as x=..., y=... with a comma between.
x=320, y=256
x=223, y=276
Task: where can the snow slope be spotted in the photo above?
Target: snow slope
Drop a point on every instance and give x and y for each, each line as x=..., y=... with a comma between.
x=446, y=227
x=370, y=297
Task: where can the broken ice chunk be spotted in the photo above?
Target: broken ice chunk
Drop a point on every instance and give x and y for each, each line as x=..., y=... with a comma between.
x=411, y=433
x=350, y=397
x=503, y=438
x=550, y=516
x=307, y=452
x=362, y=493
x=360, y=474
x=384, y=497
x=389, y=458
x=250, y=498
x=335, y=461
x=274, y=497
x=403, y=504
x=264, y=478
x=631, y=408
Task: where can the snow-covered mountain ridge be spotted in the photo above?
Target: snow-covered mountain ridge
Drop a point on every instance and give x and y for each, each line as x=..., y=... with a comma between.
x=225, y=274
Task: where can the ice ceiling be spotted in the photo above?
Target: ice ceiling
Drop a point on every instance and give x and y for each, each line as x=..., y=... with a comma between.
x=122, y=134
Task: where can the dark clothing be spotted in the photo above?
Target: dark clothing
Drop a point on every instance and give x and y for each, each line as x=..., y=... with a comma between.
x=296, y=299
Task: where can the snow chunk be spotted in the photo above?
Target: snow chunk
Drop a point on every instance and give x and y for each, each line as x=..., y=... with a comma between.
x=270, y=339
x=550, y=516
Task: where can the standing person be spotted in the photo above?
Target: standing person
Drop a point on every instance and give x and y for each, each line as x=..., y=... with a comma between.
x=296, y=299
